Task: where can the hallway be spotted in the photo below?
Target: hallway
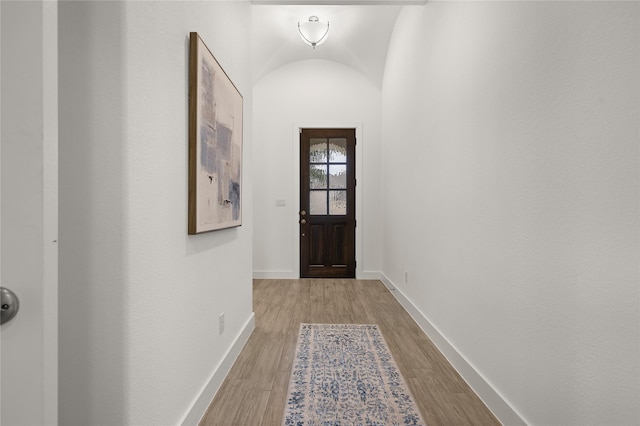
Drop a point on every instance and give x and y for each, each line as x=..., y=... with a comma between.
x=255, y=390
x=497, y=191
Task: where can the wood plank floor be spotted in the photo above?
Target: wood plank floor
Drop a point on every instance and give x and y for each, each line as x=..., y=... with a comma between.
x=255, y=391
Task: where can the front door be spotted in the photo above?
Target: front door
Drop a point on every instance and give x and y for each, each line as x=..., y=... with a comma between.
x=327, y=203
x=28, y=212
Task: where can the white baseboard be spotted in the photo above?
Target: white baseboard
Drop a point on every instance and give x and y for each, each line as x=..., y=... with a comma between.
x=290, y=275
x=274, y=275
x=369, y=275
x=498, y=405
x=202, y=401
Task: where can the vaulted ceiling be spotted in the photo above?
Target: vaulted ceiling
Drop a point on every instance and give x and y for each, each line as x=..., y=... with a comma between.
x=359, y=35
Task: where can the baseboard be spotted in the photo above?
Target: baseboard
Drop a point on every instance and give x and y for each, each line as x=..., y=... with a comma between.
x=498, y=405
x=369, y=275
x=201, y=403
x=290, y=275
x=274, y=275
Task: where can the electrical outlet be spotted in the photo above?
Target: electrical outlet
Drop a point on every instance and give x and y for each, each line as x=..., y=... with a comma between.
x=406, y=277
x=221, y=323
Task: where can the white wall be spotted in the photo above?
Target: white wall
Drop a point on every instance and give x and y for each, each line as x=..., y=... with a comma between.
x=139, y=298
x=311, y=93
x=510, y=146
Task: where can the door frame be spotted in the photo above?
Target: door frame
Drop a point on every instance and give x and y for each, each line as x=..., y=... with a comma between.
x=39, y=305
x=295, y=206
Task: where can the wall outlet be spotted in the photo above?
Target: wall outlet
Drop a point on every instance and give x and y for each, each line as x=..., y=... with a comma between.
x=406, y=277
x=221, y=323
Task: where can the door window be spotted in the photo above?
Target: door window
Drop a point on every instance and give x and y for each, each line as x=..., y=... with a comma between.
x=328, y=176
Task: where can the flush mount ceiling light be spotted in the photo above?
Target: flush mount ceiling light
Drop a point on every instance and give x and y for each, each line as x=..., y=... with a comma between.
x=313, y=32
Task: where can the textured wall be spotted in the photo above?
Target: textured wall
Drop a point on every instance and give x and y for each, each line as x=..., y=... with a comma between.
x=139, y=298
x=310, y=93
x=510, y=180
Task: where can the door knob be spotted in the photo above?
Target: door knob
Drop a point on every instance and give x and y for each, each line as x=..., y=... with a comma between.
x=9, y=305
x=303, y=213
x=303, y=221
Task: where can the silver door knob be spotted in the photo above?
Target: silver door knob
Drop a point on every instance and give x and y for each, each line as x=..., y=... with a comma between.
x=9, y=305
x=303, y=221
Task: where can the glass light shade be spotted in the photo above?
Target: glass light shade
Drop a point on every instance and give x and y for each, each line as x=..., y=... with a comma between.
x=313, y=32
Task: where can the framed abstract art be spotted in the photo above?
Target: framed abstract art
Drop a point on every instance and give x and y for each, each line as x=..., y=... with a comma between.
x=215, y=143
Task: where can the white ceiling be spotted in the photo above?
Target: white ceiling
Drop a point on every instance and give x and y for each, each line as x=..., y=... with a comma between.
x=359, y=35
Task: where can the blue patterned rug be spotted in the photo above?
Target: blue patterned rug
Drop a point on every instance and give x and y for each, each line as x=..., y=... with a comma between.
x=343, y=375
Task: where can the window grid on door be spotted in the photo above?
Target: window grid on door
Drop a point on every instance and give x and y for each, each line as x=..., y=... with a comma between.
x=328, y=176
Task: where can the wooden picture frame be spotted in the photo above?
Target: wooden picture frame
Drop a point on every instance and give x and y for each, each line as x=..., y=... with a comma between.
x=215, y=143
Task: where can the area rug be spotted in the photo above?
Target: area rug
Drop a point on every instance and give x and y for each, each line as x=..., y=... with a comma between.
x=343, y=374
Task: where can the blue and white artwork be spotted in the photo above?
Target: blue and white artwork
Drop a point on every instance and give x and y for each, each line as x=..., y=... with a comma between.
x=216, y=171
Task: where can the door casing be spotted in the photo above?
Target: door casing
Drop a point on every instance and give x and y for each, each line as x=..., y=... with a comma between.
x=361, y=142
x=29, y=214
x=329, y=224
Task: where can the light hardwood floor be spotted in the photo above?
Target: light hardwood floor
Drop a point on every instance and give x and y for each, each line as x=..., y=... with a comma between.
x=254, y=392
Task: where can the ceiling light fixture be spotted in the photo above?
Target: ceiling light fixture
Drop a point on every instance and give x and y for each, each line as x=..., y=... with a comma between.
x=313, y=32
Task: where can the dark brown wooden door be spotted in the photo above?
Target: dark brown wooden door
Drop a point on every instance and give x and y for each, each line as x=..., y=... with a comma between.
x=327, y=203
